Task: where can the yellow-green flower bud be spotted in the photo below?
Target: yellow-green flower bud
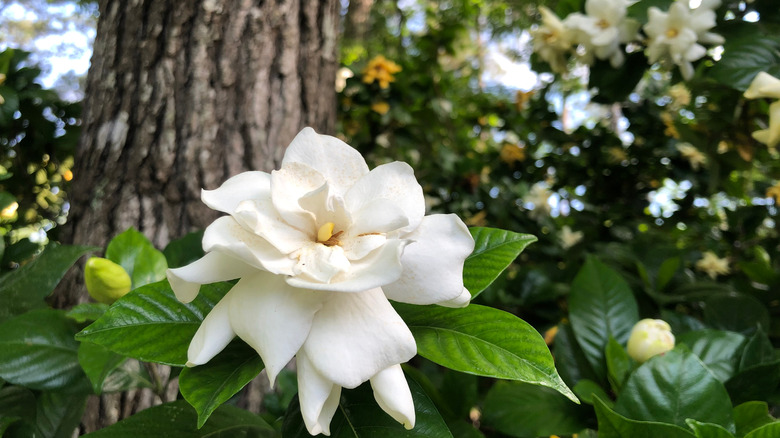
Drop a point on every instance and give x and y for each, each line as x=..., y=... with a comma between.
x=648, y=338
x=106, y=281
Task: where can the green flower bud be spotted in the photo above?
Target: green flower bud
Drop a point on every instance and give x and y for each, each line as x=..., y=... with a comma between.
x=106, y=281
x=648, y=338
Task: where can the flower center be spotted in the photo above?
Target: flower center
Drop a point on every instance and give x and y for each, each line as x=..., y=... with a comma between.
x=326, y=236
x=671, y=33
x=603, y=23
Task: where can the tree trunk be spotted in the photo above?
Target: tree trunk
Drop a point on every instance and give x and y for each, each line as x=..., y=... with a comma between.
x=180, y=96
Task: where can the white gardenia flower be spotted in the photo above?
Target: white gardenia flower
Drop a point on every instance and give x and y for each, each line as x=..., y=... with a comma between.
x=675, y=34
x=319, y=246
x=602, y=29
x=648, y=338
x=763, y=85
x=552, y=40
x=539, y=196
x=713, y=265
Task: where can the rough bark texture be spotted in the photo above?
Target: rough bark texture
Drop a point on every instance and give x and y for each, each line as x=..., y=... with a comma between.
x=182, y=95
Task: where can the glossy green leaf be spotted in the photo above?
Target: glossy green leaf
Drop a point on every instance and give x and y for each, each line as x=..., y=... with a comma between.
x=754, y=383
x=751, y=415
x=522, y=410
x=207, y=386
x=708, y=430
x=719, y=350
x=570, y=361
x=672, y=388
x=638, y=10
x=150, y=324
x=84, y=312
x=179, y=420
x=59, y=413
x=494, y=250
x=133, y=252
x=39, y=352
x=16, y=403
x=737, y=313
x=483, y=341
x=586, y=390
x=185, y=250
x=745, y=56
x=619, y=364
x=109, y=371
x=614, y=425
x=26, y=287
x=601, y=306
x=767, y=431
x=758, y=350
x=666, y=272
x=359, y=416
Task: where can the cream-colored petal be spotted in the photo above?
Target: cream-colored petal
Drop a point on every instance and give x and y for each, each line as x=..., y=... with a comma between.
x=461, y=300
x=357, y=335
x=261, y=218
x=433, y=264
x=763, y=85
x=380, y=267
x=391, y=184
x=227, y=236
x=392, y=393
x=246, y=185
x=355, y=248
x=318, y=396
x=319, y=263
x=213, y=335
x=211, y=268
x=288, y=185
x=339, y=163
x=273, y=318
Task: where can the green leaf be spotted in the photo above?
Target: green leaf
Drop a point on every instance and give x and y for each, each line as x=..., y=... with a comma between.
x=110, y=372
x=17, y=403
x=737, y=313
x=25, y=288
x=614, y=425
x=483, y=341
x=587, y=389
x=751, y=415
x=719, y=350
x=39, y=351
x=84, y=312
x=672, y=388
x=666, y=272
x=207, y=386
x=523, y=410
x=638, y=10
x=754, y=383
x=766, y=431
x=359, y=416
x=708, y=430
x=616, y=84
x=494, y=250
x=151, y=325
x=133, y=251
x=758, y=350
x=178, y=420
x=746, y=55
x=619, y=364
x=59, y=413
x=600, y=305
x=185, y=250
x=570, y=361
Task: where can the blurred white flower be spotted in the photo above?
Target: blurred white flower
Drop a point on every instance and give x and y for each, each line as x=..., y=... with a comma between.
x=765, y=85
x=602, y=29
x=319, y=247
x=713, y=265
x=539, y=196
x=341, y=78
x=552, y=40
x=675, y=34
x=570, y=238
x=648, y=338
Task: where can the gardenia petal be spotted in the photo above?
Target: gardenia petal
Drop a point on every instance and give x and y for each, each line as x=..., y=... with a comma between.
x=272, y=317
x=288, y=185
x=355, y=248
x=318, y=397
x=260, y=217
x=355, y=336
x=211, y=268
x=390, y=184
x=763, y=85
x=246, y=185
x=213, y=335
x=392, y=393
x=461, y=300
x=771, y=135
x=433, y=264
x=339, y=163
x=319, y=263
x=228, y=236
x=382, y=266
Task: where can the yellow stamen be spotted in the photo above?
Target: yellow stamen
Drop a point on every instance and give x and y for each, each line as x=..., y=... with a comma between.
x=671, y=33
x=325, y=232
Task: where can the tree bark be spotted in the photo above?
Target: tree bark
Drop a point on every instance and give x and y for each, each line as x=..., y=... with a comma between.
x=180, y=96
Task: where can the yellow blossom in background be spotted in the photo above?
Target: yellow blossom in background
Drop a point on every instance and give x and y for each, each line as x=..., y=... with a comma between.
x=680, y=95
x=692, y=154
x=670, y=130
x=381, y=70
x=511, y=153
x=570, y=238
x=774, y=192
x=9, y=211
x=380, y=107
x=549, y=335
x=713, y=265
x=617, y=154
